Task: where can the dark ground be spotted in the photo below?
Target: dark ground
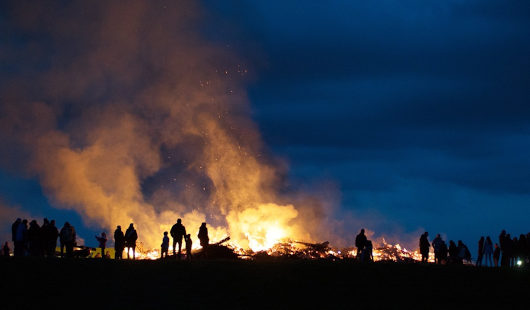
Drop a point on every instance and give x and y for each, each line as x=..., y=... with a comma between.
x=105, y=284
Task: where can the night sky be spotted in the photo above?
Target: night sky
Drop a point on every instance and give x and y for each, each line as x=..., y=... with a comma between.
x=415, y=114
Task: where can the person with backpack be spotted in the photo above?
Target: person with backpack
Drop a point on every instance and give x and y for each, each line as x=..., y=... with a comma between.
x=130, y=240
x=178, y=231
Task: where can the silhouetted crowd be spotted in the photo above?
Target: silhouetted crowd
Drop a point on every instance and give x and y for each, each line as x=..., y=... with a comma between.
x=41, y=241
x=35, y=240
x=508, y=251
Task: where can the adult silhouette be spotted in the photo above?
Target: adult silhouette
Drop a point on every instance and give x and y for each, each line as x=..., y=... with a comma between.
x=496, y=255
x=480, y=251
x=21, y=236
x=119, y=242
x=203, y=236
x=51, y=234
x=102, y=240
x=437, y=245
x=360, y=243
x=488, y=251
x=178, y=231
x=424, y=247
x=130, y=240
x=34, y=239
x=67, y=238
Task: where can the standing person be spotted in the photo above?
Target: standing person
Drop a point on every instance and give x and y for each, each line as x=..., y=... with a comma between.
x=203, y=237
x=502, y=245
x=488, y=251
x=360, y=243
x=443, y=253
x=424, y=247
x=34, y=238
x=20, y=239
x=496, y=255
x=367, y=252
x=178, y=231
x=102, y=243
x=164, y=245
x=187, y=238
x=14, y=227
x=130, y=240
x=119, y=243
x=437, y=244
x=44, y=235
x=453, y=252
x=67, y=238
x=480, y=251
x=6, y=249
x=51, y=239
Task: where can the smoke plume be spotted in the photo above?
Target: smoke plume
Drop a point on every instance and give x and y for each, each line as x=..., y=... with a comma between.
x=126, y=114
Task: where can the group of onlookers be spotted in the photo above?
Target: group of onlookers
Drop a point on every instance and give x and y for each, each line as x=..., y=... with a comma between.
x=36, y=240
x=508, y=251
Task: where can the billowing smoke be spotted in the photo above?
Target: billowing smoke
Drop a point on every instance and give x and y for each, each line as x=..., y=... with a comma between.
x=127, y=115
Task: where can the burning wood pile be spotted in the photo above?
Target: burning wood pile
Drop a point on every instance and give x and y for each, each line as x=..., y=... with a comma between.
x=223, y=249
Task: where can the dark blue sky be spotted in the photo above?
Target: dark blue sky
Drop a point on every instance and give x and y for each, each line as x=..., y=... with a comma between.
x=417, y=110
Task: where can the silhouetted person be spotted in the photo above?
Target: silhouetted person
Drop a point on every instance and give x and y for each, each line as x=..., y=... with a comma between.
x=360, y=243
x=514, y=252
x=20, y=238
x=443, y=252
x=502, y=245
x=51, y=233
x=496, y=255
x=367, y=252
x=507, y=251
x=44, y=236
x=178, y=231
x=463, y=252
x=119, y=243
x=203, y=237
x=437, y=244
x=5, y=249
x=34, y=238
x=480, y=251
x=424, y=247
x=67, y=238
x=130, y=240
x=14, y=227
x=188, y=241
x=102, y=240
x=453, y=252
x=165, y=245
x=488, y=251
